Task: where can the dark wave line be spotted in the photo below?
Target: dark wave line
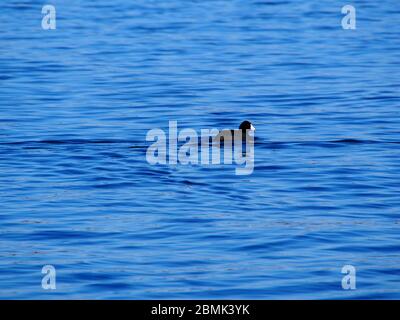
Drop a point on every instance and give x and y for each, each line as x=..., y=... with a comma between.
x=357, y=141
x=257, y=142
x=340, y=141
x=69, y=141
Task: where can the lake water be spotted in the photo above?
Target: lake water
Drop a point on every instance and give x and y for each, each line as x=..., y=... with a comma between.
x=77, y=193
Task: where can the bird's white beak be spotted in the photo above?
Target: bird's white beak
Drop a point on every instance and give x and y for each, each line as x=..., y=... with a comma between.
x=252, y=128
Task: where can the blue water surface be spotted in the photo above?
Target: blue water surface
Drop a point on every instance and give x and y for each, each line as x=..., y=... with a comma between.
x=76, y=191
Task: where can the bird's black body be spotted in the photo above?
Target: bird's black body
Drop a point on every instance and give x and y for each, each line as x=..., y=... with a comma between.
x=243, y=131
